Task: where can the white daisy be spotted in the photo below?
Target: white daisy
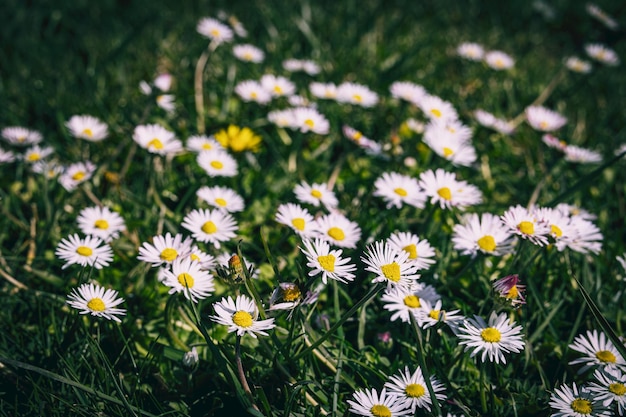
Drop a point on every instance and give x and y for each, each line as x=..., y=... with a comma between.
x=307, y=119
x=49, y=169
x=163, y=82
x=190, y=278
x=214, y=226
x=88, y=251
x=412, y=387
x=404, y=301
x=241, y=316
x=554, y=142
x=429, y=315
x=581, y=155
x=524, y=223
x=371, y=147
x=217, y=163
x=283, y=118
x=338, y=230
x=595, y=11
x=201, y=143
x=471, y=51
x=223, y=198
x=101, y=222
x=610, y=388
x=250, y=90
x=602, y=54
x=419, y=250
x=493, y=338
x=37, y=153
x=321, y=259
x=484, y=234
x=87, y=127
x=165, y=249
x=543, y=119
x=598, y=351
x=397, y=189
x=443, y=188
x=157, y=139
x=248, y=53
x=21, y=136
x=499, y=60
x=371, y=404
x=297, y=218
x=323, y=90
x=6, y=156
x=308, y=66
x=449, y=145
x=167, y=102
x=358, y=94
x=586, y=237
x=390, y=265
x=285, y=296
x=76, y=174
x=215, y=30
x=277, y=86
x=576, y=402
x=437, y=109
x=95, y=300
x=408, y=91
x=576, y=64
x=316, y=194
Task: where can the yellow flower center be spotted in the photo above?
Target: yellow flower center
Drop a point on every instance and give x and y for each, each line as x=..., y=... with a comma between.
x=291, y=294
x=101, y=224
x=278, y=90
x=217, y=164
x=401, y=192
x=336, y=233
x=357, y=98
x=168, y=254
x=445, y=193
x=556, y=231
x=253, y=94
x=209, y=228
x=412, y=301
x=411, y=249
x=185, y=280
x=512, y=293
x=215, y=33
x=581, y=406
x=487, y=243
x=415, y=390
x=380, y=410
x=499, y=63
x=606, y=356
x=447, y=152
x=87, y=132
x=526, y=227
x=34, y=157
x=79, y=175
x=207, y=146
x=221, y=202
x=96, y=304
x=435, y=112
x=242, y=319
x=617, y=388
x=247, y=56
x=356, y=136
x=316, y=193
x=298, y=223
x=391, y=271
x=156, y=144
x=327, y=262
x=194, y=257
x=543, y=124
x=84, y=251
x=491, y=335
x=435, y=314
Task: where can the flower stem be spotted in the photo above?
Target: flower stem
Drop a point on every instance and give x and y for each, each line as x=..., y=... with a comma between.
x=242, y=375
x=422, y=363
x=198, y=90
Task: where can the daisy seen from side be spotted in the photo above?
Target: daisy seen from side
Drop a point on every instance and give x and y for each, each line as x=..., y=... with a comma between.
x=200, y=143
x=21, y=136
x=510, y=289
x=215, y=30
x=499, y=60
x=576, y=64
x=248, y=53
x=358, y=94
x=602, y=54
x=326, y=91
x=252, y=91
x=543, y=119
x=97, y=301
x=471, y=51
x=241, y=316
x=277, y=86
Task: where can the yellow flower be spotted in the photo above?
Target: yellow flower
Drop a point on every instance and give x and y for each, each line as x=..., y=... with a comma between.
x=238, y=139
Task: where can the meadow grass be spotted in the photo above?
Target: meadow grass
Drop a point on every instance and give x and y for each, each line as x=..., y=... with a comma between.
x=88, y=58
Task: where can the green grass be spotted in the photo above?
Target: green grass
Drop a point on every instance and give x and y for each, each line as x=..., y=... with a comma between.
x=58, y=60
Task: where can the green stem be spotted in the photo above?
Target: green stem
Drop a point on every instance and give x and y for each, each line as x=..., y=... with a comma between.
x=422, y=363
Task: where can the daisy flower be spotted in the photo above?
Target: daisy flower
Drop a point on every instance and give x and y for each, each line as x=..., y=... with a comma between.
x=163, y=82
x=283, y=118
x=307, y=119
x=412, y=387
x=167, y=102
x=397, y=189
x=429, y=315
x=321, y=259
x=405, y=301
x=543, y=119
x=37, y=153
x=300, y=101
x=576, y=402
x=214, y=226
x=223, y=198
x=484, y=234
x=371, y=404
x=6, y=156
x=202, y=143
x=250, y=90
x=595, y=11
x=576, y=64
x=560, y=225
x=510, y=289
x=581, y=155
x=371, y=147
x=89, y=251
x=156, y=139
x=390, y=265
x=285, y=297
x=190, y=278
x=95, y=300
x=76, y=174
x=499, y=60
x=248, y=53
x=101, y=222
x=277, y=86
x=323, y=90
x=217, y=163
x=164, y=249
x=554, y=142
x=419, y=250
x=443, y=188
x=493, y=338
x=306, y=65
x=239, y=139
x=586, y=237
x=87, y=127
x=297, y=218
x=598, y=351
x=610, y=388
x=316, y=195
x=524, y=223
x=408, y=91
x=241, y=316
x=215, y=30
x=358, y=94
x=21, y=136
x=471, y=51
x=338, y=230
x=448, y=145
x=207, y=262
x=437, y=109
x=49, y=169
